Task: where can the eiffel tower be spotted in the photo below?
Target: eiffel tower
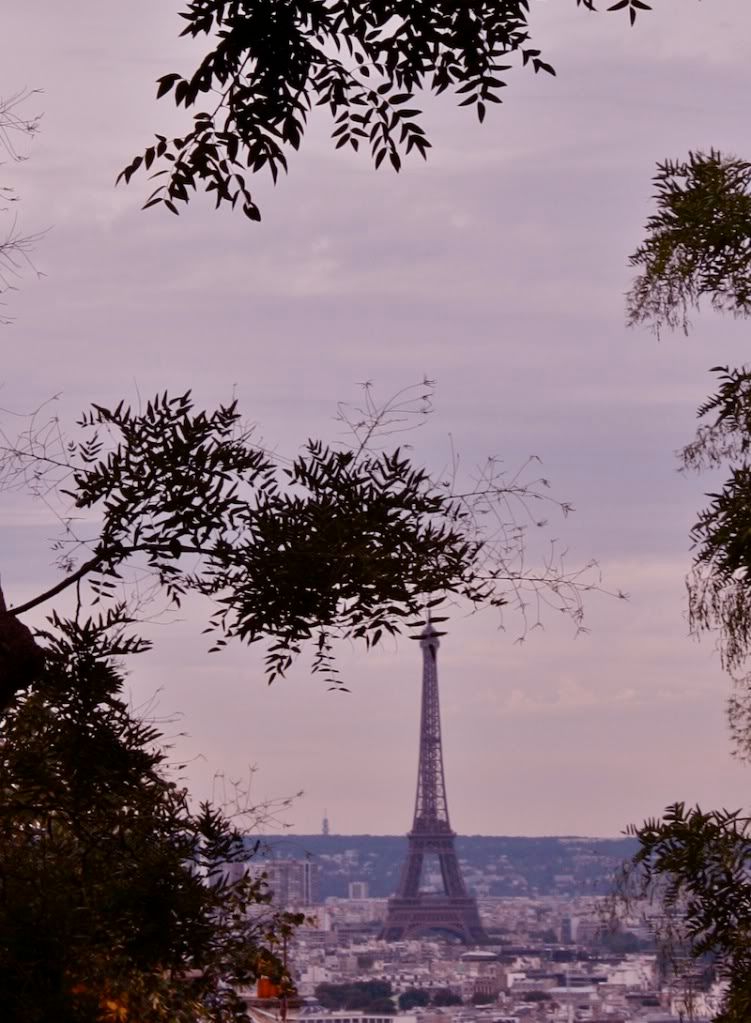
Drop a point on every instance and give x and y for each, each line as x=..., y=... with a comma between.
x=413, y=912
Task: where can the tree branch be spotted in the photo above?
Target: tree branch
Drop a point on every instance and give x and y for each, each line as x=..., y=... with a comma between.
x=69, y=580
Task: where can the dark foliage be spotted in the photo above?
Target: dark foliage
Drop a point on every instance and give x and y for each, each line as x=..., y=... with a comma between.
x=413, y=997
x=21, y=659
x=382, y=1007
x=418, y=997
x=720, y=587
x=696, y=863
x=332, y=543
x=113, y=901
x=620, y=942
x=698, y=242
x=699, y=863
x=370, y=996
x=444, y=996
x=698, y=246
x=481, y=998
x=270, y=64
x=349, y=543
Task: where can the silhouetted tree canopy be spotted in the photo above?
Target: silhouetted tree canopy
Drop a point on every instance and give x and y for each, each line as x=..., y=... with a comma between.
x=338, y=543
x=483, y=998
x=413, y=997
x=536, y=996
x=444, y=996
x=698, y=862
x=698, y=248
x=372, y=996
x=364, y=62
x=697, y=243
x=114, y=903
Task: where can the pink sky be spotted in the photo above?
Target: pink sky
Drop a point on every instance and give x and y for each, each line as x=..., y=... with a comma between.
x=498, y=269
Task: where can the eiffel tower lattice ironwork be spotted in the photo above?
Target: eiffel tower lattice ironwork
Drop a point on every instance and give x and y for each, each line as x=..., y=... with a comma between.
x=412, y=912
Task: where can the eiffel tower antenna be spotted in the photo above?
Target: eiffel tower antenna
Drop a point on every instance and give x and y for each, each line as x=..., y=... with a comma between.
x=412, y=911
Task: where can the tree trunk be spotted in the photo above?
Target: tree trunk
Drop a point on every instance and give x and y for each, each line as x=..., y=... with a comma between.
x=21, y=660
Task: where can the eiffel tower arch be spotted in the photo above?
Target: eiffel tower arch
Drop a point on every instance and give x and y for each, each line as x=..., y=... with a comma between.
x=412, y=911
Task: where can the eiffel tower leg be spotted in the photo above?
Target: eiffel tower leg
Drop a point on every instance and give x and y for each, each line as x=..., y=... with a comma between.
x=453, y=883
x=411, y=873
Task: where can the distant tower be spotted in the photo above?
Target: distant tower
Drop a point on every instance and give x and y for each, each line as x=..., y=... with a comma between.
x=325, y=825
x=413, y=912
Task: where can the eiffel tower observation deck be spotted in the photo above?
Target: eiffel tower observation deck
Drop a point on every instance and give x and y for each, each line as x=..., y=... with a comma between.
x=413, y=911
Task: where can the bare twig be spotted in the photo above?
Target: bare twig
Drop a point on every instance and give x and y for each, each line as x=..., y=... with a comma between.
x=15, y=247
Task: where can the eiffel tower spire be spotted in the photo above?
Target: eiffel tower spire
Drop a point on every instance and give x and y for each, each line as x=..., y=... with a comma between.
x=412, y=911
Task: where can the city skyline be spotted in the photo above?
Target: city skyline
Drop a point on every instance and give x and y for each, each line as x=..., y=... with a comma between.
x=498, y=269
